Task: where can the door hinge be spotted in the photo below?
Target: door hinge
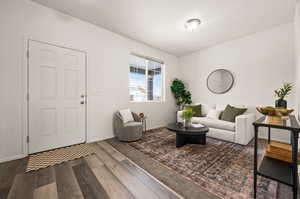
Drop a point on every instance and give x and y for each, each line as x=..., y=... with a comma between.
x=27, y=139
x=27, y=96
x=27, y=53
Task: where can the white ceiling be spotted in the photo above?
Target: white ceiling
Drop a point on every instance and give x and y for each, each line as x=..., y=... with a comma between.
x=160, y=23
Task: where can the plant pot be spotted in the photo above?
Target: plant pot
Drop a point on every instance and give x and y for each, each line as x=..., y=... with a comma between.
x=281, y=103
x=187, y=123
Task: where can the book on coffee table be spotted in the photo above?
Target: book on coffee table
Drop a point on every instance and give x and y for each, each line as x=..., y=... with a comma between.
x=197, y=125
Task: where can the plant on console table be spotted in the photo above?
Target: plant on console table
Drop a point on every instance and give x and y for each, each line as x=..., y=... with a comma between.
x=281, y=94
x=182, y=96
x=187, y=115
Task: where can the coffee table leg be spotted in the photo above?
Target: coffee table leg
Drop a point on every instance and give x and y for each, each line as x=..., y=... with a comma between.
x=202, y=139
x=196, y=139
x=180, y=140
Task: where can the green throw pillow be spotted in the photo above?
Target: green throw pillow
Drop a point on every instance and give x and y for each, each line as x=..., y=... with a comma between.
x=196, y=109
x=230, y=113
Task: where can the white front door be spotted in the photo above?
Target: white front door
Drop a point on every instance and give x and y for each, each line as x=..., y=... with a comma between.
x=56, y=104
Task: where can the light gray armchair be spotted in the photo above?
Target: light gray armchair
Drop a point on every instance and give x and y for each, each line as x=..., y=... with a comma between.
x=128, y=132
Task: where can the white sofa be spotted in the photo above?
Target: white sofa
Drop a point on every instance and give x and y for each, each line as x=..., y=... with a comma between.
x=240, y=132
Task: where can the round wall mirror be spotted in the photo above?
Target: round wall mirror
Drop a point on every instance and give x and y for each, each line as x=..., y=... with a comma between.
x=220, y=81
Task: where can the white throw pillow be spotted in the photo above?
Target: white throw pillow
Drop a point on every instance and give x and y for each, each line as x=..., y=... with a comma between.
x=205, y=108
x=214, y=114
x=126, y=115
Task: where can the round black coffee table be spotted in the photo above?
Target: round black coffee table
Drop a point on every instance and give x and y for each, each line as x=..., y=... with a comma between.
x=188, y=135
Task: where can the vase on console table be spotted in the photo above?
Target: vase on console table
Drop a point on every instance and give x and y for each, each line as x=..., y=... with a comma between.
x=281, y=103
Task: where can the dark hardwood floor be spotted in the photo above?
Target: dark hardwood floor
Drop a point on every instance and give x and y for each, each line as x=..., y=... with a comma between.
x=106, y=175
x=175, y=181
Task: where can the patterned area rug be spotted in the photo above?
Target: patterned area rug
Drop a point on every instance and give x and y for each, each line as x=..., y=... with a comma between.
x=222, y=168
x=58, y=156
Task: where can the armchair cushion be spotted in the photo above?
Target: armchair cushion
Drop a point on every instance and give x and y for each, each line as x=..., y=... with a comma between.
x=126, y=116
x=133, y=124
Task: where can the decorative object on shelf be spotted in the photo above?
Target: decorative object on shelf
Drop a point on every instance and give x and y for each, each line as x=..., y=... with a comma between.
x=182, y=96
x=280, y=151
x=187, y=115
x=220, y=81
x=281, y=94
x=275, y=115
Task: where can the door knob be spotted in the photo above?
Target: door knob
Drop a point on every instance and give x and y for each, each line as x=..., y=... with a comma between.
x=82, y=102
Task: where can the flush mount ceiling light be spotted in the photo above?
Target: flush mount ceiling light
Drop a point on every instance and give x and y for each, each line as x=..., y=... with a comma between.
x=192, y=24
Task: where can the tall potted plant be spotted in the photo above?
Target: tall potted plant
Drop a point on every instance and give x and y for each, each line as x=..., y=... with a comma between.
x=182, y=96
x=281, y=94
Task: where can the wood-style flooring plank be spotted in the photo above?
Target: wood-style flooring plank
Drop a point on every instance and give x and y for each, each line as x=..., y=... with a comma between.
x=114, y=188
x=88, y=183
x=48, y=191
x=150, y=182
x=93, y=162
x=156, y=186
x=132, y=183
x=23, y=186
x=112, y=151
x=67, y=185
x=45, y=176
x=8, y=171
x=76, y=162
x=186, y=188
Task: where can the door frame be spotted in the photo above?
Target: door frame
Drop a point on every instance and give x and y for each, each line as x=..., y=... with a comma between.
x=25, y=91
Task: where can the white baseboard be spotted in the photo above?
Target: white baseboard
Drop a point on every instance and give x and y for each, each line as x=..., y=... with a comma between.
x=6, y=159
x=156, y=127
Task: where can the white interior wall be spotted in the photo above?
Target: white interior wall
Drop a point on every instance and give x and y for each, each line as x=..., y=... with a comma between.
x=107, y=73
x=297, y=53
x=260, y=63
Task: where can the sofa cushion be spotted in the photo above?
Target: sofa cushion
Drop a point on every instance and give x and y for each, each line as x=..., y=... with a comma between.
x=223, y=106
x=230, y=113
x=196, y=109
x=205, y=108
x=214, y=114
x=214, y=123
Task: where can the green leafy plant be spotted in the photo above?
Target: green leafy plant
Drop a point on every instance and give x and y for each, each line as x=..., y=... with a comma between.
x=187, y=114
x=180, y=93
x=284, y=91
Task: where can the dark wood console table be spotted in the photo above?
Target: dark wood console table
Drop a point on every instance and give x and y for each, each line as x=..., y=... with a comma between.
x=280, y=171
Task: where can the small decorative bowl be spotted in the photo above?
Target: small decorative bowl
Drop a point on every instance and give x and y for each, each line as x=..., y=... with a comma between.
x=275, y=112
x=275, y=116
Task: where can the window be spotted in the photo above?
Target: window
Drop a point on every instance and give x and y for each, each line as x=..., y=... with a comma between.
x=145, y=79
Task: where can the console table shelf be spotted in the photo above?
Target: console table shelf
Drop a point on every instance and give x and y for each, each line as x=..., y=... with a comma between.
x=280, y=171
x=276, y=170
